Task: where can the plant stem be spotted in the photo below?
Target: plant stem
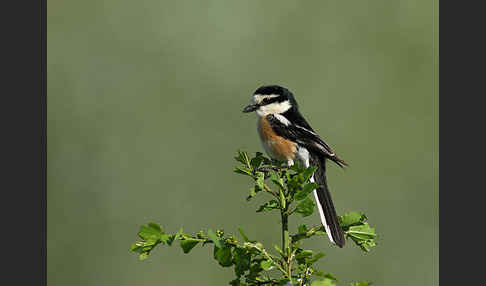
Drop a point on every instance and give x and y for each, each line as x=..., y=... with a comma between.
x=285, y=233
x=286, y=240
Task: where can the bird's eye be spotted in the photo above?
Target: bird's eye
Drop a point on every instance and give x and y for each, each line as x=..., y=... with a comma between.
x=266, y=100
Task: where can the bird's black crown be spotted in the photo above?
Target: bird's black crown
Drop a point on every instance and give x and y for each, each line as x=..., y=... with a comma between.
x=284, y=93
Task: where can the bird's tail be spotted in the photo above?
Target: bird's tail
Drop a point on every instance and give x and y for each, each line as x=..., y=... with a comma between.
x=324, y=203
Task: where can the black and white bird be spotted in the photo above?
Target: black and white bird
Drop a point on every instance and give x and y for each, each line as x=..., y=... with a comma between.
x=286, y=136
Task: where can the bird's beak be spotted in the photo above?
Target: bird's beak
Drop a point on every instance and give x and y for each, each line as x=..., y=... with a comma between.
x=250, y=108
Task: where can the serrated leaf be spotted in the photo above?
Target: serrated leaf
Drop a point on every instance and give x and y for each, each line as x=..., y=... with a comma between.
x=305, y=207
x=308, y=188
x=188, y=244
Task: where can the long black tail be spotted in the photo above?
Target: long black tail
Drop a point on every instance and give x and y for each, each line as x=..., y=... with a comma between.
x=327, y=212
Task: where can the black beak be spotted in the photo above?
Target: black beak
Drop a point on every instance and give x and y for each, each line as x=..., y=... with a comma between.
x=250, y=108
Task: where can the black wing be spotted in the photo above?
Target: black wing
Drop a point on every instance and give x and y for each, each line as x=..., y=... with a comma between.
x=303, y=136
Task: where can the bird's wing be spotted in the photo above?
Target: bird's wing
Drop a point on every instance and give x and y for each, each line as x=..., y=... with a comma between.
x=303, y=136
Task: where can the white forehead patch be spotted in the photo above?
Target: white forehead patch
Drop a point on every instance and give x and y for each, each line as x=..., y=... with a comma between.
x=257, y=98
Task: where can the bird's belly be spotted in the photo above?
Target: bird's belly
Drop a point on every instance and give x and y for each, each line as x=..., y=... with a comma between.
x=276, y=146
x=282, y=150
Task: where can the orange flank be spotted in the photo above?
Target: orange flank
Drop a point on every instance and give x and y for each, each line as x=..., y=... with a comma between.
x=276, y=146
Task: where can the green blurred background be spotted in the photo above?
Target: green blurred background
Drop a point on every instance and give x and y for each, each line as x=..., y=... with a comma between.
x=144, y=119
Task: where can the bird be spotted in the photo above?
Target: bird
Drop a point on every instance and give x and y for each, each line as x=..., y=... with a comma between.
x=286, y=136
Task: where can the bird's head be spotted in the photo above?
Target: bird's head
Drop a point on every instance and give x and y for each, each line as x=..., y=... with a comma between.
x=271, y=99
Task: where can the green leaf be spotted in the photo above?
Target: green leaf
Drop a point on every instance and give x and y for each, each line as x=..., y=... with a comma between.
x=352, y=218
x=316, y=257
x=223, y=255
x=241, y=259
x=366, y=245
x=307, y=173
x=361, y=232
x=214, y=238
x=260, y=180
x=304, y=254
x=257, y=160
x=302, y=228
x=253, y=193
x=136, y=247
x=325, y=282
x=167, y=238
x=363, y=235
x=297, y=167
x=283, y=201
x=243, y=158
x=155, y=226
x=245, y=238
x=266, y=264
x=308, y=188
x=305, y=207
x=179, y=234
x=268, y=206
x=188, y=244
x=152, y=231
x=278, y=181
x=242, y=170
x=279, y=250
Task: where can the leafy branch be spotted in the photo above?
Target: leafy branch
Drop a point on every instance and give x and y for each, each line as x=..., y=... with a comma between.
x=289, y=264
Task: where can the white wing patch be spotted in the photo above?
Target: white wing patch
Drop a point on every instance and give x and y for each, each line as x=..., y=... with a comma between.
x=282, y=119
x=307, y=130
